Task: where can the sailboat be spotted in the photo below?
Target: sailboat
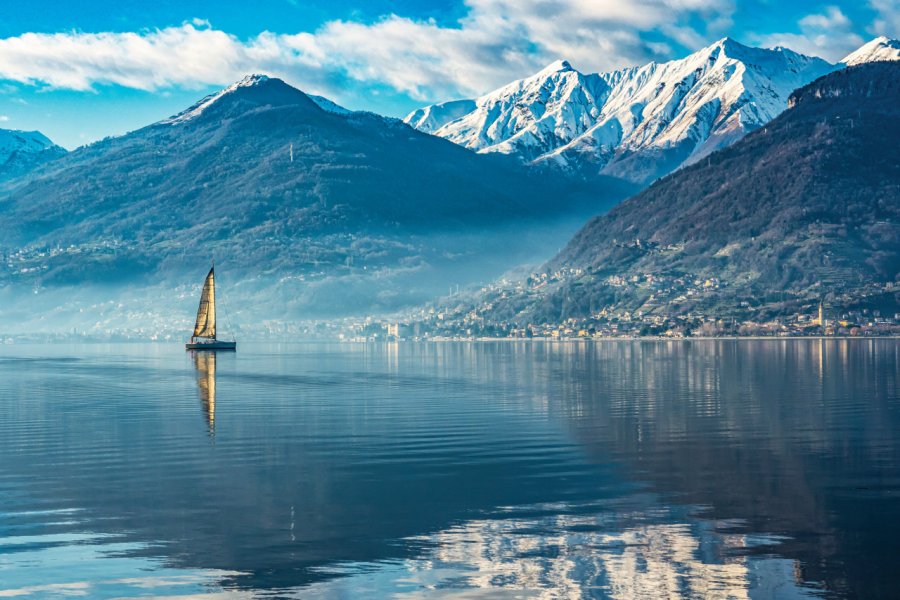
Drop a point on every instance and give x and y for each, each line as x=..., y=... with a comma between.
x=204, y=337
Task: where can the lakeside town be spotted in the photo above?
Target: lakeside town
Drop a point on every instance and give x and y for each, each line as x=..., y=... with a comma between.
x=673, y=307
x=846, y=312
x=611, y=325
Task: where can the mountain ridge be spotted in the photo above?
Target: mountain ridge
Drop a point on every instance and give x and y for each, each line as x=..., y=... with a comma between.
x=310, y=212
x=23, y=151
x=637, y=123
x=800, y=211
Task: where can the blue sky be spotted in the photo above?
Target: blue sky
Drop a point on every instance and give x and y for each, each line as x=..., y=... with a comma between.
x=79, y=71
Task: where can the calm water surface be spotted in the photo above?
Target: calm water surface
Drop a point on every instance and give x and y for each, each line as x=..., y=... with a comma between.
x=715, y=469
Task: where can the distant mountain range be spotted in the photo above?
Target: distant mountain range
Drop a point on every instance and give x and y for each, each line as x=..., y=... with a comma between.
x=313, y=211
x=310, y=210
x=637, y=123
x=22, y=151
x=804, y=209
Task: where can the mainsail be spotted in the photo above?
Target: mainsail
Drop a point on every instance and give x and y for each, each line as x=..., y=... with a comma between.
x=206, y=313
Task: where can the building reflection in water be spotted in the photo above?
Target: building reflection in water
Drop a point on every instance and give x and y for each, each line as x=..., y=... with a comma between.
x=205, y=364
x=573, y=556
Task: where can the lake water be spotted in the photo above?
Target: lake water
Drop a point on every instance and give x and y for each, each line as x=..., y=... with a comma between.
x=646, y=469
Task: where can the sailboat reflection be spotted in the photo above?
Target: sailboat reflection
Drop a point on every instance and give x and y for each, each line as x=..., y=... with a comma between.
x=205, y=363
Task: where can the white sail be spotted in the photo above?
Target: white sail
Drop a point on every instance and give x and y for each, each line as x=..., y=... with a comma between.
x=205, y=327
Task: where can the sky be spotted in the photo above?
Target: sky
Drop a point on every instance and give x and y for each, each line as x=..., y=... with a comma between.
x=81, y=71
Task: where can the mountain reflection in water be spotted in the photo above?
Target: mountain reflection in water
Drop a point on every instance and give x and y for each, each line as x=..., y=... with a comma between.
x=730, y=469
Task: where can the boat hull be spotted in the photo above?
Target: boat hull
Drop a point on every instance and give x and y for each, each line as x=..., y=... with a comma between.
x=216, y=345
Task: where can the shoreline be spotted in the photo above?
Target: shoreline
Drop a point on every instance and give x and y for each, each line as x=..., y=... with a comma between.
x=11, y=341
x=647, y=338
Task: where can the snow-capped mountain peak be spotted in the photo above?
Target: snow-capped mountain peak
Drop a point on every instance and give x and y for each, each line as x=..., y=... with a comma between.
x=197, y=109
x=530, y=117
x=251, y=79
x=637, y=123
x=431, y=118
x=726, y=44
x=254, y=89
x=881, y=48
x=555, y=67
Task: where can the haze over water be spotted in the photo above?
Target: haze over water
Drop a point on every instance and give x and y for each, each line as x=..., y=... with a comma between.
x=751, y=468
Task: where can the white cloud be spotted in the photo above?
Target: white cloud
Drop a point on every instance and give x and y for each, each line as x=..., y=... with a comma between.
x=4, y=118
x=496, y=41
x=830, y=20
x=888, y=20
x=182, y=55
x=828, y=34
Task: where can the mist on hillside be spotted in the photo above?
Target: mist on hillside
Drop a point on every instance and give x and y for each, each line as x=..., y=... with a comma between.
x=115, y=294
x=307, y=214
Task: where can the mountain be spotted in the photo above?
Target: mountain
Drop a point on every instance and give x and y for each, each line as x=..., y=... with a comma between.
x=308, y=213
x=638, y=123
x=879, y=49
x=431, y=118
x=528, y=118
x=668, y=115
x=329, y=105
x=803, y=209
x=22, y=151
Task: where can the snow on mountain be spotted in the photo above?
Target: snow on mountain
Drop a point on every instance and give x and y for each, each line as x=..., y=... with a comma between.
x=431, y=118
x=320, y=214
x=881, y=48
x=21, y=151
x=278, y=93
x=329, y=105
x=671, y=114
x=759, y=206
x=638, y=123
x=197, y=109
x=529, y=117
x=253, y=91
